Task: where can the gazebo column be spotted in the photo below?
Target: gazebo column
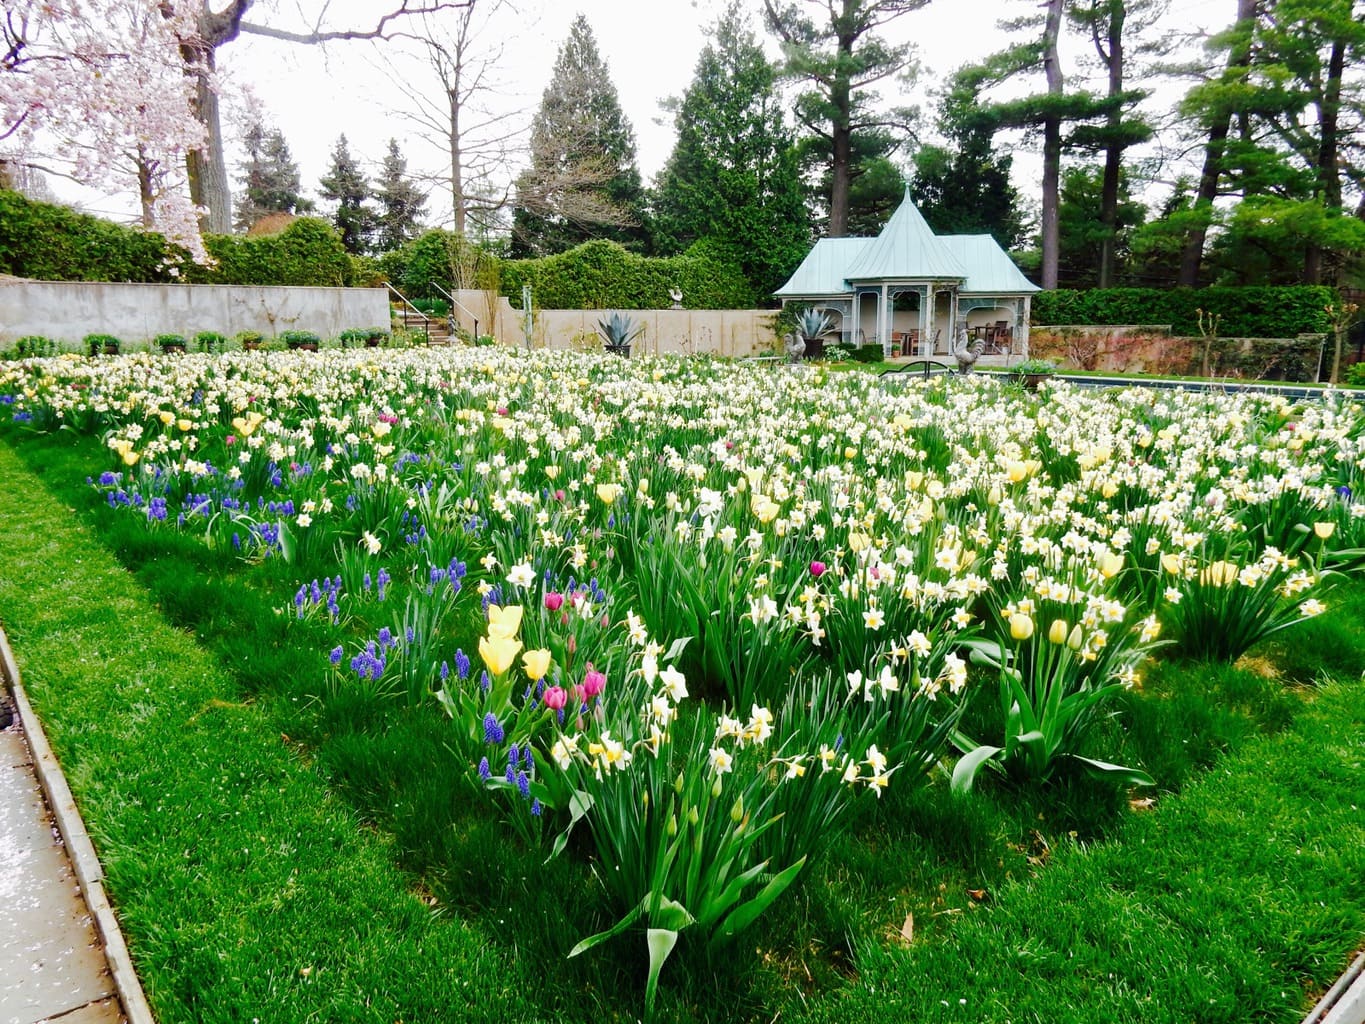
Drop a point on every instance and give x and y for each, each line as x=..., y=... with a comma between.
x=1027, y=303
x=883, y=318
x=926, y=331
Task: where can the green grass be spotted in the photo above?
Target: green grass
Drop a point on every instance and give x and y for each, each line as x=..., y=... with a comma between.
x=255, y=827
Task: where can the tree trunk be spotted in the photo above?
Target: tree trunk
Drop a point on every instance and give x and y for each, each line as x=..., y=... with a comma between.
x=145, y=189
x=1239, y=56
x=1113, y=153
x=841, y=158
x=207, y=167
x=1052, y=146
x=1329, y=174
x=457, y=199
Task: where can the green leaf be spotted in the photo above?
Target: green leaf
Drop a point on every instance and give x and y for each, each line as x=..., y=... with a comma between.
x=675, y=649
x=661, y=942
x=1136, y=776
x=579, y=805
x=964, y=772
x=614, y=930
x=747, y=913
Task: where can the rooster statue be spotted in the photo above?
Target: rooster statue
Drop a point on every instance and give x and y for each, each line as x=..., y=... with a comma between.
x=967, y=353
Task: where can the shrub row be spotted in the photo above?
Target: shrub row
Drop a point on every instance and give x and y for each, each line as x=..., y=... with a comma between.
x=1264, y=312
x=603, y=275
x=53, y=243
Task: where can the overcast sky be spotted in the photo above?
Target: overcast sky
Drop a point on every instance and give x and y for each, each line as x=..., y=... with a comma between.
x=313, y=94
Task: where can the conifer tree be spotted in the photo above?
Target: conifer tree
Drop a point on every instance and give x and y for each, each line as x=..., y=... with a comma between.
x=345, y=185
x=401, y=203
x=583, y=182
x=733, y=177
x=270, y=178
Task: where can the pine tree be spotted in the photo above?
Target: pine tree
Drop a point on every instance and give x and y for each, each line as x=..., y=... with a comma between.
x=401, y=203
x=270, y=178
x=964, y=187
x=842, y=57
x=733, y=177
x=583, y=182
x=346, y=186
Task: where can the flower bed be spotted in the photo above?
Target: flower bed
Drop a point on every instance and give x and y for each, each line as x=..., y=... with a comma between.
x=699, y=629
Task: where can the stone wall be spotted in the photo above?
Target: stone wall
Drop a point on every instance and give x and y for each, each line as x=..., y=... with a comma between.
x=69, y=310
x=1149, y=348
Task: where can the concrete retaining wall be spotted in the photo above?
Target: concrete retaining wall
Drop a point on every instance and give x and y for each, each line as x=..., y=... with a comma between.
x=69, y=310
x=724, y=332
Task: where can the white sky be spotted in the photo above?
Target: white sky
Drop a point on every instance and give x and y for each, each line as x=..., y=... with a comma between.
x=313, y=94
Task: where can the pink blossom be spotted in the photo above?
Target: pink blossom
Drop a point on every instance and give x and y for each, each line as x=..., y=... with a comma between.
x=594, y=682
x=556, y=697
x=554, y=601
x=817, y=569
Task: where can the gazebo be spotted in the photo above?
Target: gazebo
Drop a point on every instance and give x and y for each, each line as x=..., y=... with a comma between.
x=915, y=292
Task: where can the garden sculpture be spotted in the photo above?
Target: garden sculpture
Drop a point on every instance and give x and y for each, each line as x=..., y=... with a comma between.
x=967, y=353
x=795, y=347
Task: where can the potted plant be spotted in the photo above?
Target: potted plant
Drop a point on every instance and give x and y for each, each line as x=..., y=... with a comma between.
x=102, y=343
x=209, y=341
x=375, y=337
x=250, y=340
x=171, y=342
x=619, y=331
x=304, y=340
x=1032, y=372
x=813, y=325
x=353, y=337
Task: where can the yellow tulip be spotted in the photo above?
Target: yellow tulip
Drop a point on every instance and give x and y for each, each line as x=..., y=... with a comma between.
x=130, y=457
x=608, y=492
x=1324, y=530
x=1109, y=489
x=1015, y=471
x=166, y=417
x=1021, y=626
x=1219, y=574
x=1056, y=634
x=1171, y=563
x=503, y=622
x=536, y=663
x=184, y=425
x=552, y=471
x=1076, y=638
x=1110, y=563
x=498, y=652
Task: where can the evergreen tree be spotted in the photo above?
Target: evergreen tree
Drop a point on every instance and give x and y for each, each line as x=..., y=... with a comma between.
x=401, y=203
x=1084, y=234
x=583, y=182
x=964, y=188
x=842, y=58
x=270, y=178
x=733, y=177
x=345, y=185
x=1279, y=124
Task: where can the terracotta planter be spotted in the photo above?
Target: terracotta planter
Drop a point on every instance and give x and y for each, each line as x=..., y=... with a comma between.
x=169, y=349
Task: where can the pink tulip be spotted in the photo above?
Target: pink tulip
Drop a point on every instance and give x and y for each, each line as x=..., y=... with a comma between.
x=817, y=569
x=556, y=698
x=554, y=601
x=594, y=682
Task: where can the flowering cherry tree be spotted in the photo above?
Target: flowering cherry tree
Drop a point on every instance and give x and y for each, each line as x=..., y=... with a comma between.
x=102, y=87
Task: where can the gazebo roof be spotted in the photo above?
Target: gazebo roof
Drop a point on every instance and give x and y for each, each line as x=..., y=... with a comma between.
x=990, y=271
x=906, y=250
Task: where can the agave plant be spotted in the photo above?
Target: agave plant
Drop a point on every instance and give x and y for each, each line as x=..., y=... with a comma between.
x=619, y=330
x=813, y=324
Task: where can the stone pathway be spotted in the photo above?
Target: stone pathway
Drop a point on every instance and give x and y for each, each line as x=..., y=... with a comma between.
x=53, y=963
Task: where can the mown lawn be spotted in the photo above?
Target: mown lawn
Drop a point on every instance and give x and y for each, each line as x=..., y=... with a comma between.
x=281, y=853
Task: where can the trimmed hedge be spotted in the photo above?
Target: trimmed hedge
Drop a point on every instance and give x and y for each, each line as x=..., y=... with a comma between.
x=1266, y=312
x=47, y=242
x=53, y=243
x=603, y=275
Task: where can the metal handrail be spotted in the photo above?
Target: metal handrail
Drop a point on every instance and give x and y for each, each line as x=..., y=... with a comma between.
x=426, y=320
x=456, y=302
